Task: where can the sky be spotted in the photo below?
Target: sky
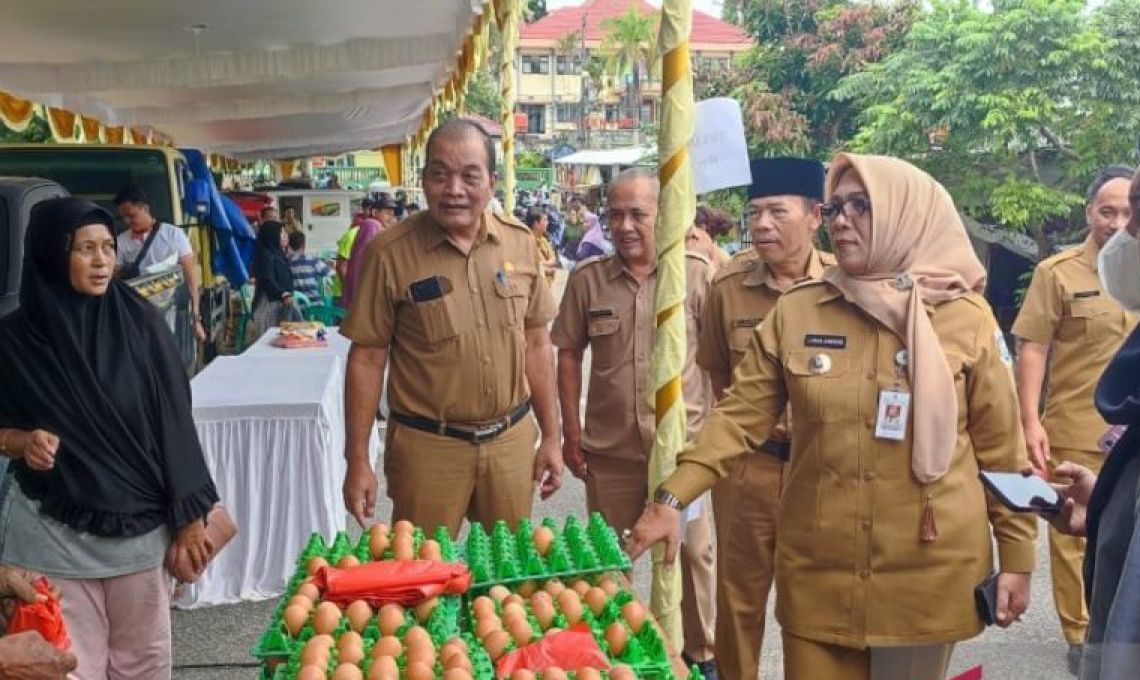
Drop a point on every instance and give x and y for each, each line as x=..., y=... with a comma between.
x=712, y=7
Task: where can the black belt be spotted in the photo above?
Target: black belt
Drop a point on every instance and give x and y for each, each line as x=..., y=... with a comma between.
x=778, y=449
x=476, y=434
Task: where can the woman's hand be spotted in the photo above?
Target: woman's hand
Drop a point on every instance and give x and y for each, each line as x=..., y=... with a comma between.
x=191, y=541
x=1075, y=491
x=1012, y=597
x=38, y=449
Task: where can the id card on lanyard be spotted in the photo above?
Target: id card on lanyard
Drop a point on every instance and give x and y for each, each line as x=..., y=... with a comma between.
x=894, y=405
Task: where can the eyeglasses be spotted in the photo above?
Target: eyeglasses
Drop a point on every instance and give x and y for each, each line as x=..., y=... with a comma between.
x=850, y=207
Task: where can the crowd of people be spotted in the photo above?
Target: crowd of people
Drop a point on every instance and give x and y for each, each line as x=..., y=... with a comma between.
x=839, y=408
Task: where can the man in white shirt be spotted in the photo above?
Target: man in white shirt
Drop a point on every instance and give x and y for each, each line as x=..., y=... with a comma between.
x=168, y=242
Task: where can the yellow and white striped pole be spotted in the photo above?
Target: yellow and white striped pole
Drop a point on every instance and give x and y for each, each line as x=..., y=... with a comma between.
x=507, y=13
x=676, y=209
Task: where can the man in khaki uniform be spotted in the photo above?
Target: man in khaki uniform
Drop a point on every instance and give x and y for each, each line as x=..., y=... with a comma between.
x=783, y=217
x=608, y=307
x=456, y=297
x=1068, y=314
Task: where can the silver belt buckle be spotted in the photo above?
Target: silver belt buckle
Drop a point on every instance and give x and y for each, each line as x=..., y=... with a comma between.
x=485, y=434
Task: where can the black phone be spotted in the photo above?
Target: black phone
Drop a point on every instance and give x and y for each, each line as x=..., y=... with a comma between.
x=1022, y=493
x=985, y=598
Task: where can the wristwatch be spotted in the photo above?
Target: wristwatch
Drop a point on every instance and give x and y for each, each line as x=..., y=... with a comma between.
x=666, y=498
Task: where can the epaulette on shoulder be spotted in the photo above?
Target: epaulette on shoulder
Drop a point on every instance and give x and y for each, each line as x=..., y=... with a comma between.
x=512, y=221
x=1064, y=256
x=589, y=261
x=740, y=263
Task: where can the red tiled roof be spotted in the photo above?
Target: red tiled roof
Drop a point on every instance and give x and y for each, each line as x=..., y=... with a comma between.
x=489, y=126
x=565, y=20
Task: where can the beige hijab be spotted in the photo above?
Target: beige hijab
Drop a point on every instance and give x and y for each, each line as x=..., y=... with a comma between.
x=920, y=255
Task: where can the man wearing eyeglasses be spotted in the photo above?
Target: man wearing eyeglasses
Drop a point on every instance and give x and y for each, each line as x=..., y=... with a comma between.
x=783, y=218
x=608, y=307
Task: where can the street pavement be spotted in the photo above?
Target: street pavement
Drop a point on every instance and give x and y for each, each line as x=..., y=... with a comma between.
x=214, y=643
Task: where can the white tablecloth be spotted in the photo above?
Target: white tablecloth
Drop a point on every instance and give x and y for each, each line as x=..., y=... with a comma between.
x=272, y=429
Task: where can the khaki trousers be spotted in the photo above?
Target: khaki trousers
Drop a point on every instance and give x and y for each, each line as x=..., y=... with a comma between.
x=436, y=481
x=1067, y=557
x=810, y=660
x=619, y=488
x=746, y=503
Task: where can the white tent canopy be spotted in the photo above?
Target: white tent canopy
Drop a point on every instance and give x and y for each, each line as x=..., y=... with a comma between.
x=627, y=156
x=250, y=79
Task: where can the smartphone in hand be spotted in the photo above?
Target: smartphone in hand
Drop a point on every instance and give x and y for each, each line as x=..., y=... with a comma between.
x=1023, y=493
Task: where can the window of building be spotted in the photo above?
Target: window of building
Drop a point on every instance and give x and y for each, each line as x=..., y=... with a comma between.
x=569, y=65
x=570, y=112
x=536, y=63
x=535, y=118
x=613, y=112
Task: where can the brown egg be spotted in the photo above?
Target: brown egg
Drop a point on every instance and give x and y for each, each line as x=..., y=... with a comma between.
x=543, y=538
x=348, y=561
x=595, y=599
x=617, y=637
x=295, y=616
x=347, y=671
x=526, y=588
x=513, y=609
x=514, y=598
x=389, y=645
x=581, y=587
x=383, y=668
x=317, y=655
x=323, y=640
x=310, y=590
x=610, y=586
x=419, y=649
x=447, y=652
x=483, y=607
x=458, y=643
x=521, y=632
x=499, y=593
x=417, y=670
x=457, y=674
x=571, y=606
x=390, y=619
x=314, y=564
x=416, y=635
x=403, y=527
x=377, y=541
x=403, y=548
x=522, y=674
x=486, y=626
x=496, y=644
x=430, y=550
x=554, y=673
x=301, y=601
x=587, y=673
x=326, y=619
x=351, y=654
x=358, y=614
x=634, y=614
x=311, y=672
x=459, y=660
x=621, y=672
x=425, y=609
x=541, y=596
x=544, y=613
x=349, y=638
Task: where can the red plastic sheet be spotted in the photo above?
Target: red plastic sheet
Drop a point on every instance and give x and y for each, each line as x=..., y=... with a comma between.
x=406, y=582
x=974, y=673
x=569, y=650
x=45, y=617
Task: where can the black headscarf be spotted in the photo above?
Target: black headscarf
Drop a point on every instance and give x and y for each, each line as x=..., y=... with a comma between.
x=104, y=374
x=270, y=268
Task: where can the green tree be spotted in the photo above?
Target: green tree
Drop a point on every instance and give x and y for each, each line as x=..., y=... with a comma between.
x=1013, y=109
x=482, y=95
x=630, y=45
x=535, y=10
x=37, y=132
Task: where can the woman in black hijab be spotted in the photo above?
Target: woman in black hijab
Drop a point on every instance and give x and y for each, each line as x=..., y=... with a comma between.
x=107, y=471
x=273, y=291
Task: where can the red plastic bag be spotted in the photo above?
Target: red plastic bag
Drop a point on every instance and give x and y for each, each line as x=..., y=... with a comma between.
x=406, y=582
x=45, y=617
x=569, y=650
x=974, y=673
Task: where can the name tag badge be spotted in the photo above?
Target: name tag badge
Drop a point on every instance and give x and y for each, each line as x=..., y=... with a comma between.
x=894, y=405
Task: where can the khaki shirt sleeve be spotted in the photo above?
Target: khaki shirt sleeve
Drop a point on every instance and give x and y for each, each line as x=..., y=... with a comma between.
x=999, y=444
x=1041, y=311
x=712, y=345
x=541, y=307
x=699, y=288
x=371, y=319
x=569, y=330
x=753, y=404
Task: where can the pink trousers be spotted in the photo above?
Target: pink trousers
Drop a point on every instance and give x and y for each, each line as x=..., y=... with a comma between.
x=119, y=627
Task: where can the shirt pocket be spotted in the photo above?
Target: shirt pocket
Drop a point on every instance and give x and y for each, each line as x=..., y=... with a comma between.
x=819, y=390
x=1084, y=317
x=437, y=318
x=605, y=340
x=513, y=294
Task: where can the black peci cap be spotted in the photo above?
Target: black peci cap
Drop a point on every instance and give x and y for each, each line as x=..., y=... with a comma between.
x=786, y=177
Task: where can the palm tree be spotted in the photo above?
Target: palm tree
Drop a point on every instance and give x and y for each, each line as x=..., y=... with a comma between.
x=630, y=44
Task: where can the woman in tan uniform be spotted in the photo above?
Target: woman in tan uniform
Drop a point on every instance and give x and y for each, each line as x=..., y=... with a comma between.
x=902, y=389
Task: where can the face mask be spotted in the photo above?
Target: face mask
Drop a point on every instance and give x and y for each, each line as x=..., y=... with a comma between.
x=1119, y=266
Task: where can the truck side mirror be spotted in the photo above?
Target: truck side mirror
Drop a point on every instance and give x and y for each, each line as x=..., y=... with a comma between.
x=197, y=201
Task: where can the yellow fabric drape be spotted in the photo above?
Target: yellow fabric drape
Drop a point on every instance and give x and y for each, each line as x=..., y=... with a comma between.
x=61, y=122
x=286, y=168
x=16, y=113
x=141, y=135
x=394, y=163
x=92, y=130
x=508, y=17
x=116, y=134
x=676, y=209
